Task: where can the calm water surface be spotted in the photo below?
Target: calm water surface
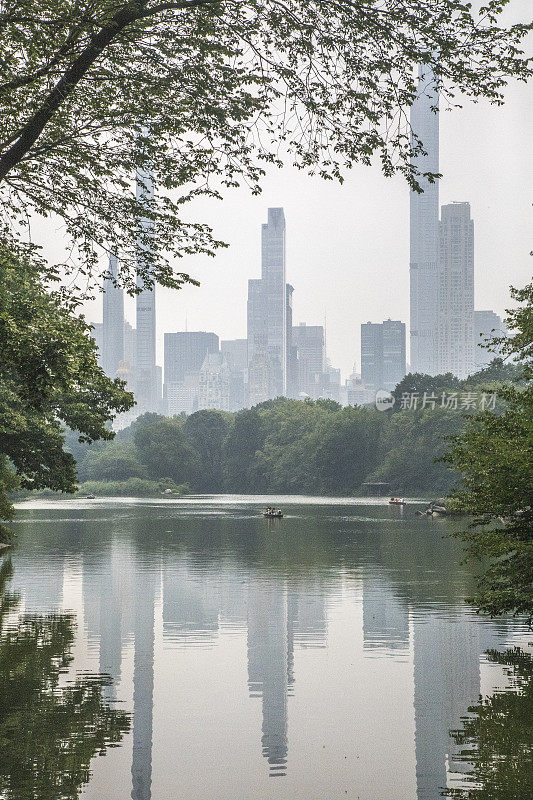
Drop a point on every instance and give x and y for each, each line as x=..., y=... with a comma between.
x=323, y=656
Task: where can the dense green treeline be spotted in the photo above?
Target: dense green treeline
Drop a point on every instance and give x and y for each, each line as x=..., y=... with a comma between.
x=293, y=446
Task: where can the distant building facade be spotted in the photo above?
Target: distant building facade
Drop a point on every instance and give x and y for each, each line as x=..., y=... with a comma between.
x=147, y=374
x=235, y=352
x=214, y=387
x=98, y=336
x=113, y=321
x=455, y=339
x=185, y=352
x=355, y=392
x=383, y=361
x=487, y=325
x=424, y=229
x=309, y=343
x=267, y=316
x=182, y=398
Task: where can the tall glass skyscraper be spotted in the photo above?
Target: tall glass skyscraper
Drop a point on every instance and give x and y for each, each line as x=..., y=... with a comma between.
x=383, y=362
x=456, y=291
x=424, y=232
x=267, y=315
x=147, y=374
x=113, y=321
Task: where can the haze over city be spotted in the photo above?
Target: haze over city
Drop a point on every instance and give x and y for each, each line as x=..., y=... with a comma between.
x=348, y=245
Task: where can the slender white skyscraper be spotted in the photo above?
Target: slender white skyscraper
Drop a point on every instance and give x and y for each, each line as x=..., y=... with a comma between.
x=456, y=291
x=425, y=230
x=267, y=315
x=113, y=321
x=147, y=374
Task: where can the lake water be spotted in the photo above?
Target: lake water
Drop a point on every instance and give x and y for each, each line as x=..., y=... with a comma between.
x=326, y=655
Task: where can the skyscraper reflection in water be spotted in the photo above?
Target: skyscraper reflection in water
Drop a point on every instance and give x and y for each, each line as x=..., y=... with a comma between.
x=147, y=582
x=446, y=650
x=270, y=646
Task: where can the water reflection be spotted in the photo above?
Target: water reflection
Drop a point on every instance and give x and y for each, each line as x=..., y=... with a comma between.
x=286, y=601
x=495, y=742
x=49, y=730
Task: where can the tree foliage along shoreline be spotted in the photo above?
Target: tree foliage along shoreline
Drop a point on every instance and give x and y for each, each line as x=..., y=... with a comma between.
x=50, y=729
x=496, y=736
x=289, y=446
x=494, y=455
x=203, y=94
x=49, y=379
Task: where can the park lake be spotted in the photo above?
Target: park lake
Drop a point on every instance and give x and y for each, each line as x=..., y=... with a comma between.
x=193, y=649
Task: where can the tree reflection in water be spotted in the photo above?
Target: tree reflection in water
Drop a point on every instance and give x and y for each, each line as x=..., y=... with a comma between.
x=48, y=733
x=497, y=740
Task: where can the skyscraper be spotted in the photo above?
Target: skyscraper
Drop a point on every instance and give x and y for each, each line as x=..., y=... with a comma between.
x=424, y=229
x=372, y=354
x=455, y=340
x=185, y=352
x=487, y=325
x=214, y=383
x=147, y=373
x=383, y=363
x=98, y=335
x=113, y=321
x=267, y=315
x=235, y=352
x=291, y=362
x=310, y=344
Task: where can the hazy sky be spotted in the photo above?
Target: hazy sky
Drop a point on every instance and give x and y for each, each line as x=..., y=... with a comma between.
x=348, y=246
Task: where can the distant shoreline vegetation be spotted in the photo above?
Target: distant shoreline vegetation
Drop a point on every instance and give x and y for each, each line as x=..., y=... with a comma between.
x=286, y=447
x=133, y=487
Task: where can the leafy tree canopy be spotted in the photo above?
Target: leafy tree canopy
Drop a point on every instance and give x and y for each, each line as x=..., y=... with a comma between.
x=163, y=448
x=495, y=457
x=201, y=94
x=49, y=379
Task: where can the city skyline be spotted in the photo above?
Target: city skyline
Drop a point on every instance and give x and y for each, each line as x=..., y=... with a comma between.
x=278, y=358
x=348, y=245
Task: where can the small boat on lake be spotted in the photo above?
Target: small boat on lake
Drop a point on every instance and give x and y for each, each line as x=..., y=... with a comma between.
x=91, y=497
x=397, y=501
x=273, y=513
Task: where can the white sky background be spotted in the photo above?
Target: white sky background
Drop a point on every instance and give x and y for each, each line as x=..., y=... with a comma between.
x=348, y=246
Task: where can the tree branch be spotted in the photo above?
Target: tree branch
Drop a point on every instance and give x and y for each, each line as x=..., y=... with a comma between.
x=131, y=12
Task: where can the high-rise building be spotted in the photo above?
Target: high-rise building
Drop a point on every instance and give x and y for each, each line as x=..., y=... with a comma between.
x=215, y=383
x=129, y=344
x=113, y=321
x=98, y=336
x=372, y=354
x=235, y=352
x=182, y=398
x=487, y=325
x=424, y=228
x=291, y=388
x=267, y=315
x=331, y=386
x=185, y=352
x=310, y=345
x=455, y=339
x=383, y=363
x=147, y=380
x=394, y=355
